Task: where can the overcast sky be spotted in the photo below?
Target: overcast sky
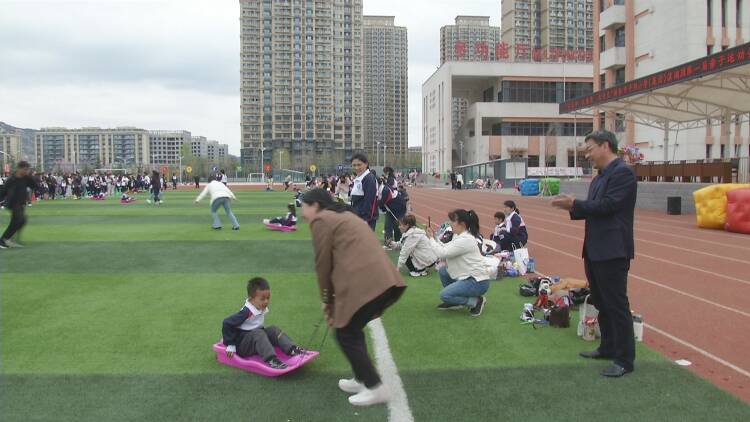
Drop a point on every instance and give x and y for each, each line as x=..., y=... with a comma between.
x=165, y=64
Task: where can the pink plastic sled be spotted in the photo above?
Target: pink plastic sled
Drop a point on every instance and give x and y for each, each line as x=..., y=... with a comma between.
x=280, y=227
x=256, y=365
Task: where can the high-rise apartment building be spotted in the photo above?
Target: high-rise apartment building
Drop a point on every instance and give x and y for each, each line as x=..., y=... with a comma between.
x=637, y=38
x=471, y=38
x=386, y=87
x=72, y=149
x=198, y=146
x=10, y=145
x=216, y=152
x=547, y=25
x=301, y=79
x=166, y=145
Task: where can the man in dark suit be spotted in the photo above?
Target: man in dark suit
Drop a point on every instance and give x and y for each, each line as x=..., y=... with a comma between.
x=608, y=248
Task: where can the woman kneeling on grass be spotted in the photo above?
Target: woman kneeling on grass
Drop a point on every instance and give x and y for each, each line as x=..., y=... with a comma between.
x=465, y=277
x=357, y=283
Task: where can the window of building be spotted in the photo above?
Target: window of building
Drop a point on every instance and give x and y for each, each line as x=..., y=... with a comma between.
x=723, y=16
x=533, y=161
x=708, y=151
x=709, y=12
x=620, y=76
x=602, y=45
x=602, y=81
x=620, y=37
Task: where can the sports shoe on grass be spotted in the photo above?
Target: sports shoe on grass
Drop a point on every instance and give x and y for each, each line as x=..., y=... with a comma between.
x=417, y=273
x=477, y=309
x=447, y=306
x=368, y=397
x=266, y=221
x=275, y=363
x=351, y=386
x=11, y=244
x=3, y=245
x=296, y=351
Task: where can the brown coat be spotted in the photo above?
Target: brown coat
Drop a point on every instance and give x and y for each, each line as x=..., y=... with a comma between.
x=351, y=265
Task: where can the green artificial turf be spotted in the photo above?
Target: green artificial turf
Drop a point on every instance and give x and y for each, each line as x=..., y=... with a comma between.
x=110, y=311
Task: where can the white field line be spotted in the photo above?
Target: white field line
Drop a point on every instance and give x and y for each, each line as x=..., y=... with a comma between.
x=398, y=406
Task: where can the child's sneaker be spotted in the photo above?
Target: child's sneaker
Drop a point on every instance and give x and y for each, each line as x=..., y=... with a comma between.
x=266, y=221
x=417, y=273
x=275, y=363
x=296, y=351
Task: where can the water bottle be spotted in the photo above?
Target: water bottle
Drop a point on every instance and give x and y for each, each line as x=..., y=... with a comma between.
x=531, y=268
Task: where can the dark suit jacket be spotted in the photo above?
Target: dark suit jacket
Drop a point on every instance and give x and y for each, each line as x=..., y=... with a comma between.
x=609, y=211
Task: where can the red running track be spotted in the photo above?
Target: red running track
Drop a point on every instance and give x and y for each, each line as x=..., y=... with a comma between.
x=690, y=284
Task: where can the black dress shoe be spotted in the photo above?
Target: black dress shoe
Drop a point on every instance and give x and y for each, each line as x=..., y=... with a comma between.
x=615, y=371
x=594, y=354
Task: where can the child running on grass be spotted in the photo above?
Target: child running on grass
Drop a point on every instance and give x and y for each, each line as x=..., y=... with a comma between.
x=244, y=333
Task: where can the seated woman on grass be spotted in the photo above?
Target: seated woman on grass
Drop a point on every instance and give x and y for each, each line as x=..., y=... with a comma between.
x=465, y=277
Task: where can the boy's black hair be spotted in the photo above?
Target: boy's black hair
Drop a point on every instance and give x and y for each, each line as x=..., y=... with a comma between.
x=255, y=284
x=23, y=165
x=500, y=215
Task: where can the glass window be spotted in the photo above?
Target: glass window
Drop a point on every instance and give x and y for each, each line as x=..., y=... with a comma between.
x=620, y=37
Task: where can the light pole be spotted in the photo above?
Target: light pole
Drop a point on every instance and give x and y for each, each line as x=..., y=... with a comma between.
x=180, y=169
x=384, y=153
x=377, y=154
x=461, y=151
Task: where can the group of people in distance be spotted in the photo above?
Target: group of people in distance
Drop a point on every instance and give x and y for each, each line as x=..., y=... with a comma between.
x=358, y=282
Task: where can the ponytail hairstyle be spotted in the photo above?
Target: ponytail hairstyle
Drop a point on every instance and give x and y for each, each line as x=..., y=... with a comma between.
x=468, y=218
x=408, y=220
x=512, y=205
x=325, y=201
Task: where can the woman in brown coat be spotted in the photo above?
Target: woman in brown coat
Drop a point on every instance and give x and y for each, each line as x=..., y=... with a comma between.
x=357, y=283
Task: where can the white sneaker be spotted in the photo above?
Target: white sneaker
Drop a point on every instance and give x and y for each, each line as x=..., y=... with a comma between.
x=369, y=397
x=417, y=273
x=148, y=200
x=351, y=386
x=12, y=244
x=266, y=221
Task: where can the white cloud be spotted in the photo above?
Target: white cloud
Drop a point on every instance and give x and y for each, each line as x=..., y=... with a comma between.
x=164, y=64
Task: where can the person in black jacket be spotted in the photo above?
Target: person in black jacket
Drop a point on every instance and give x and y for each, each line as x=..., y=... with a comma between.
x=393, y=206
x=608, y=247
x=364, y=193
x=515, y=235
x=16, y=196
x=246, y=334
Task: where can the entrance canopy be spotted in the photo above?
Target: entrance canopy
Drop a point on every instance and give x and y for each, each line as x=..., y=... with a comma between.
x=686, y=96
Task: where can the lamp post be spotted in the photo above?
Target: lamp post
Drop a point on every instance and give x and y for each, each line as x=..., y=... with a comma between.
x=377, y=154
x=180, y=169
x=384, y=154
x=461, y=151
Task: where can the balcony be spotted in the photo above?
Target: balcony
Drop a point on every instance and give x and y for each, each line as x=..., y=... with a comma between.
x=612, y=58
x=612, y=16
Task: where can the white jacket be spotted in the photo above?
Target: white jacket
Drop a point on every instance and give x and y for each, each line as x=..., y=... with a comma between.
x=416, y=245
x=462, y=257
x=215, y=190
